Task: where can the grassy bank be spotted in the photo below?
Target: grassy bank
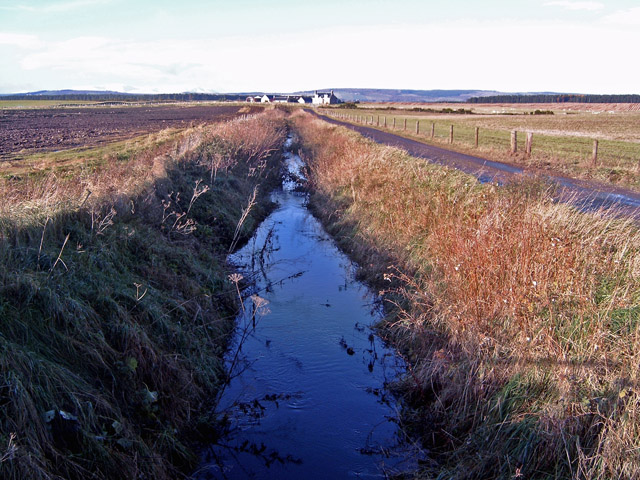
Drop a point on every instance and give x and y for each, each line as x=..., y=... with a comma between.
x=115, y=302
x=518, y=316
x=562, y=143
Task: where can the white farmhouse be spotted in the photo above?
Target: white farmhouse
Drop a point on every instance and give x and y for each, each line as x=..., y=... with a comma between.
x=325, y=98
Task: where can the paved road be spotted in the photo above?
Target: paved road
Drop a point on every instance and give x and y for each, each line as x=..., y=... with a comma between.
x=585, y=195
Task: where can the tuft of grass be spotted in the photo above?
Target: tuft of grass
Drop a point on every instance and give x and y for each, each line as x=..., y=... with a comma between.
x=518, y=315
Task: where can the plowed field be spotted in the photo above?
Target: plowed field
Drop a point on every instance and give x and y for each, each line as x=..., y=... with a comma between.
x=50, y=129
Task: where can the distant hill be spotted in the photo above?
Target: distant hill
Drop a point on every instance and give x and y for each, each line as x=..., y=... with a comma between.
x=41, y=93
x=556, y=98
x=344, y=94
x=109, y=96
x=407, y=96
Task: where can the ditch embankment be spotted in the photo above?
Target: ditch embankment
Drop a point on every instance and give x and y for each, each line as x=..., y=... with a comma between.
x=116, y=304
x=308, y=395
x=518, y=315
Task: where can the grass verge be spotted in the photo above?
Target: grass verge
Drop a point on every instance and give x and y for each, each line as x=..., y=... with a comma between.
x=115, y=302
x=518, y=316
x=561, y=144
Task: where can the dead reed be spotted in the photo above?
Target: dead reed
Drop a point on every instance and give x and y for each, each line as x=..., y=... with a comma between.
x=519, y=316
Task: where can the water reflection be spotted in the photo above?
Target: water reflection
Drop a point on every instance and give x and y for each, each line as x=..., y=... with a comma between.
x=307, y=398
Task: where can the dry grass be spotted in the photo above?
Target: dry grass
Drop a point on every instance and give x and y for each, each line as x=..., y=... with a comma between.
x=519, y=316
x=45, y=184
x=114, y=315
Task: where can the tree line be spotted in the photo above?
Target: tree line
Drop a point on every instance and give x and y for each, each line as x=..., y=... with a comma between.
x=557, y=98
x=126, y=97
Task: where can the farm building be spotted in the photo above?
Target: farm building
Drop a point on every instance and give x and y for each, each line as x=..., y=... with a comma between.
x=285, y=99
x=325, y=98
x=318, y=99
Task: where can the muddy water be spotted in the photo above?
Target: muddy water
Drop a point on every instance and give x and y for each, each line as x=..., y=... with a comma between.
x=308, y=396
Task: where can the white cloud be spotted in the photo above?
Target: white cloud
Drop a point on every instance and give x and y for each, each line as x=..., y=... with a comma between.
x=57, y=6
x=19, y=40
x=552, y=56
x=571, y=5
x=625, y=17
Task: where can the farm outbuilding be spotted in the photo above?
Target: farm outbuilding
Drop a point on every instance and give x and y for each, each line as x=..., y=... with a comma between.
x=300, y=99
x=319, y=98
x=285, y=99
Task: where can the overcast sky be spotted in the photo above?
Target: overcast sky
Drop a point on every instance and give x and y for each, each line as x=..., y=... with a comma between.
x=289, y=45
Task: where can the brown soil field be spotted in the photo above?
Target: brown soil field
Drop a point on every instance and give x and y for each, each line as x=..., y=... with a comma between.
x=25, y=131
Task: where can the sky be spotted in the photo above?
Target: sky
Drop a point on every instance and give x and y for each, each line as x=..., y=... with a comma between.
x=164, y=46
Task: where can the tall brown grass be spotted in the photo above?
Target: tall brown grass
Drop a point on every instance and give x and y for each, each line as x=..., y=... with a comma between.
x=519, y=315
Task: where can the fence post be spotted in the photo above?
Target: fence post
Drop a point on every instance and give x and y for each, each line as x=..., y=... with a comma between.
x=529, y=143
x=451, y=134
x=514, y=141
x=433, y=130
x=385, y=121
x=594, y=158
x=477, y=136
x=417, y=127
x=394, y=123
x=378, y=121
x=405, y=124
